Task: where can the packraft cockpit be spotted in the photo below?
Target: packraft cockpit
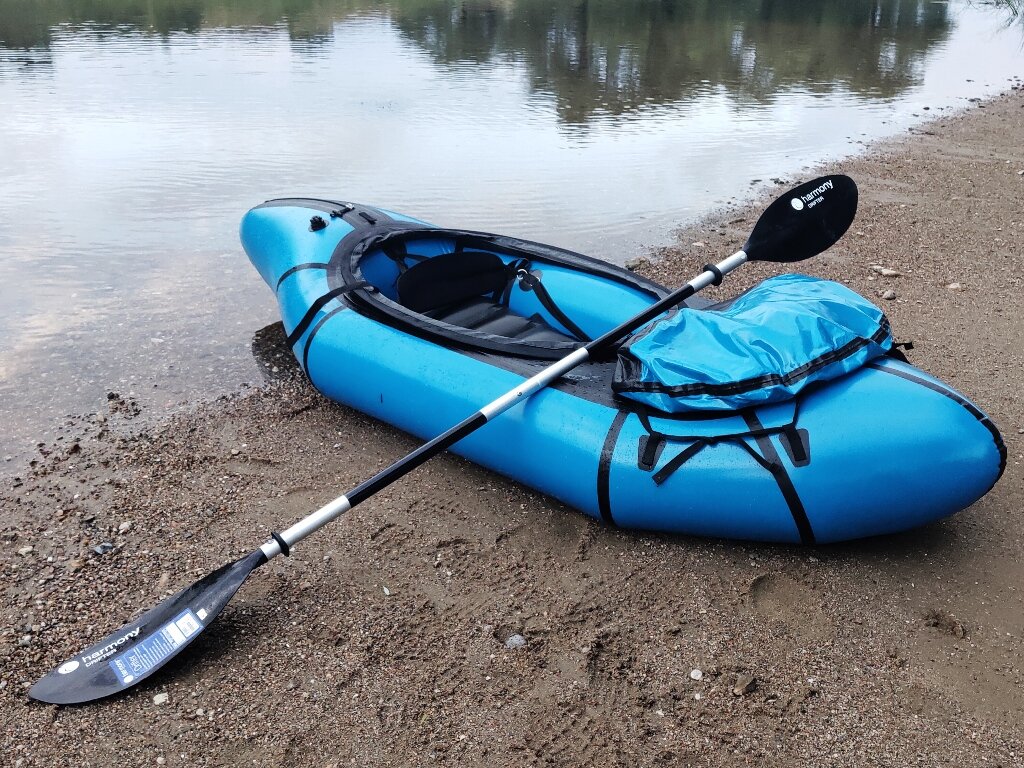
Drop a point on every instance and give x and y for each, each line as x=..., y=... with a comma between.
x=484, y=291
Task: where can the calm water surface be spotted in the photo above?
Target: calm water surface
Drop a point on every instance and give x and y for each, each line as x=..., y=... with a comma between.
x=134, y=135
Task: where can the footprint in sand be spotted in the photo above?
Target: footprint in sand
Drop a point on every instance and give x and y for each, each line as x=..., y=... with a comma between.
x=795, y=605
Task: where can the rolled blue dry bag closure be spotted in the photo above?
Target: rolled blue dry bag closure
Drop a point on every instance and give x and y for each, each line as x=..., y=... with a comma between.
x=764, y=346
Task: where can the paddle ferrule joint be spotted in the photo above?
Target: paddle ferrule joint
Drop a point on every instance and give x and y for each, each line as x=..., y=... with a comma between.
x=281, y=543
x=535, y=383
x=713, y=273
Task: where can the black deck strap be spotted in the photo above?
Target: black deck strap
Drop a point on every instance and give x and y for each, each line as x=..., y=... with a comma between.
x=315, y=308
x=672, y=465
x=604, y=467
x=285, y=549
x=368, y=216
x=339, y=213
x=769, y=459
x=716, y=272
x=298, y=268
x=532, y=282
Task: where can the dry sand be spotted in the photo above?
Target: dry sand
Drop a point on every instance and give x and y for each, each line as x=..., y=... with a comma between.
x=382, y=641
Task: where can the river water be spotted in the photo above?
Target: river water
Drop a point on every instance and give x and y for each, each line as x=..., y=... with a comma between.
x=133, y=136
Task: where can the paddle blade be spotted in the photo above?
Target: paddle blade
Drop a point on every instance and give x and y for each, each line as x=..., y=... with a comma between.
x=136, y=651
x=805, y=221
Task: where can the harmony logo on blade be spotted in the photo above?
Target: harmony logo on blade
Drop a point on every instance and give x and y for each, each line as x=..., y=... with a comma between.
x=812, y=198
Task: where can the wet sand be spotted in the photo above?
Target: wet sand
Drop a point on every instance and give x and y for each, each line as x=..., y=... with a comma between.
x=382, y=641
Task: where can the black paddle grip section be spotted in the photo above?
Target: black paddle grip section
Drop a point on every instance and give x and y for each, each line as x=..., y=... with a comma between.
x=615, y=335
x=422, y=454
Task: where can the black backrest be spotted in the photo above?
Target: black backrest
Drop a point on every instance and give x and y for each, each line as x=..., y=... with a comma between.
x=451, y=278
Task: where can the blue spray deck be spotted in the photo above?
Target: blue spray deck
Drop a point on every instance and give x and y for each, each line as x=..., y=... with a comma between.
x=880, y=450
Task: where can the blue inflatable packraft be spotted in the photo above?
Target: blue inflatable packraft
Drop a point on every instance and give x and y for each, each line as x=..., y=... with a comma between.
x=420, y=326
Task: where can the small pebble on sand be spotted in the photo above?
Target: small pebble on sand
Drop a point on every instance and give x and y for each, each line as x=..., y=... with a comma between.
x=27, y=550
x=885, y=271
x=955, y=287
x=745, y=683
x=696, y=674
x=161, y=698
x=515, y=641
x=889, y=295
x=124, y=527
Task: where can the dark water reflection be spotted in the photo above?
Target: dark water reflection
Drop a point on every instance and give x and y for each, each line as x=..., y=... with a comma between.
x=615, y=57
x=610, y=56
x=134, y=134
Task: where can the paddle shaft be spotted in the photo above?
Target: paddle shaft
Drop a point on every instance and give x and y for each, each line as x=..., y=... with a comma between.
x=342, y=504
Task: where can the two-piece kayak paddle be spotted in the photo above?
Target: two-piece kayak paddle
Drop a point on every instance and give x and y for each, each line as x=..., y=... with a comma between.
x=800, y=224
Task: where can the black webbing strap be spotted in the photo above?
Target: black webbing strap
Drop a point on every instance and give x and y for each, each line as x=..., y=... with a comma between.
x=514, y=268
x=315, y=308
x=700, y=442
x=395, y=250
x=532, y=282
x=670, y=467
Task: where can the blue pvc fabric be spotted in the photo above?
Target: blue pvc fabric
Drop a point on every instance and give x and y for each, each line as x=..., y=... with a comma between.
x=762, y=347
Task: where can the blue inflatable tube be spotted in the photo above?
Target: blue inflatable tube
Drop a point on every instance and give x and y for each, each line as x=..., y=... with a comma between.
x=420, y=326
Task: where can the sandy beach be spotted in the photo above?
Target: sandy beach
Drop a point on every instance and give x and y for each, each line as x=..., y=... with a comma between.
x=383, y=641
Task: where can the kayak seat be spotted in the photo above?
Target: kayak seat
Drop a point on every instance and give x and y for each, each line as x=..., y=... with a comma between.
x=485, y=314
x=465, y=289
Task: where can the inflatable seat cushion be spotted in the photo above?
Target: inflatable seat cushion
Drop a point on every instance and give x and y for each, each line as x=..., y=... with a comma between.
x=485, y=314
x=461, y=288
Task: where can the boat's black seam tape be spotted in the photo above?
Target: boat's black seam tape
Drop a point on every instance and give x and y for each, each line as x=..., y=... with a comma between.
x=630, y=369
x=782, y=478
x=309, y=339
x=314, y=309
x=970, y=407
x=298, y=268
x=604, y=467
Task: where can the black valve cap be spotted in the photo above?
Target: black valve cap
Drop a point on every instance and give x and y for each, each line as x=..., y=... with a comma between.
x=317, y=223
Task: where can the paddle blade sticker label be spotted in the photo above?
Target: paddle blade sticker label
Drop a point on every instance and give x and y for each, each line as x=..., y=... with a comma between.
x=148, y=653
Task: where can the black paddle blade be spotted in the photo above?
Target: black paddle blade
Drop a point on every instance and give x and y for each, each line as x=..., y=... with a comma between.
x=136, y=651
x=805, y=221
